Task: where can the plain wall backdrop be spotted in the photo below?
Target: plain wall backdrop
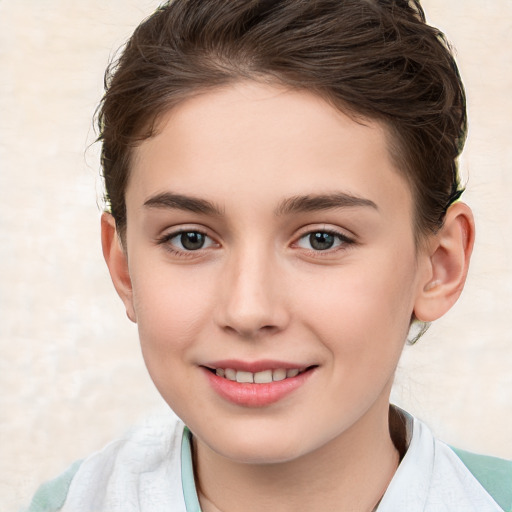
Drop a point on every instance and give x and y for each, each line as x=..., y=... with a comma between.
x=71, y=374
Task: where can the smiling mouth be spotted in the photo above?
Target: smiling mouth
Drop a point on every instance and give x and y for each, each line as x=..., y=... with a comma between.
x=269, y=384
x=262, y=377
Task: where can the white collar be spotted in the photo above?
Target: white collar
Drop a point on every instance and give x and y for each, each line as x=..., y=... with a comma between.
x=431, y=478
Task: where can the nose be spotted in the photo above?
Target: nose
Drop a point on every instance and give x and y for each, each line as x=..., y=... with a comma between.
x=253, y=296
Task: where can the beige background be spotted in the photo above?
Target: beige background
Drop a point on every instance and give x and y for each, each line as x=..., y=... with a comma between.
x=71, y=376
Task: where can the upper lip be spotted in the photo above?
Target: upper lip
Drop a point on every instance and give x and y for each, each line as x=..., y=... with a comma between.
x=255, y=366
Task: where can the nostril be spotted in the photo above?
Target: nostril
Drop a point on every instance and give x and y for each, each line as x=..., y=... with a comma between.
x=248, y=332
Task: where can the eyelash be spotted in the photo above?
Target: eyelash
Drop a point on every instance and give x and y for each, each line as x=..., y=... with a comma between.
x=342, y=242
x=165, y=240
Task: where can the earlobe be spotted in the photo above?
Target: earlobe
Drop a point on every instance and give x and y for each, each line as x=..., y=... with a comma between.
x=117, y=263
x=449, y=254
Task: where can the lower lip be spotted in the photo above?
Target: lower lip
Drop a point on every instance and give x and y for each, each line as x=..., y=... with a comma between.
x=255, y=395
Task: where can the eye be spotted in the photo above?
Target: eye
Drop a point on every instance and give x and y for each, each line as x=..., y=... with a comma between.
x=323, y=240
x=186, y=241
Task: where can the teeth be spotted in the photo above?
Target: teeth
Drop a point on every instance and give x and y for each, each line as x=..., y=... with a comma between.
x=244, y=376
x=279, y=374
x=263, y=377
x=230, y=374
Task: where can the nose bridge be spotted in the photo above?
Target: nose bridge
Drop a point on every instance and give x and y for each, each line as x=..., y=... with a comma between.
x=252, y=302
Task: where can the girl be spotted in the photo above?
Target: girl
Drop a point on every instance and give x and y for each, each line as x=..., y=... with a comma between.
x=283, y=213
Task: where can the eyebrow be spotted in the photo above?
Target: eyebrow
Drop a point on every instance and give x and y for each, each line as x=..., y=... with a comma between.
x=181, y=202
x=317, y=202
x=295, y=204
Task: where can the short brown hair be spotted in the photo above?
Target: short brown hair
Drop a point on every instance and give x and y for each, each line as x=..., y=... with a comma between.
x=375, y=59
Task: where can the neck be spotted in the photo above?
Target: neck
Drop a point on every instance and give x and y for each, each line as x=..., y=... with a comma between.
x=351, y=473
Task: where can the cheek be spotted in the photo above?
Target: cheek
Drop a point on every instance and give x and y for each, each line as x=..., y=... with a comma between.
x=171, y=305
x=172, y=310
x=365, y=307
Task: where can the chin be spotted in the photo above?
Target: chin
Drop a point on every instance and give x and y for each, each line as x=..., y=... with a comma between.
x=260, y=454
x=256, y=445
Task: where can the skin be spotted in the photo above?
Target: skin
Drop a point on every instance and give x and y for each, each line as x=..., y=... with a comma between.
x=259, y=290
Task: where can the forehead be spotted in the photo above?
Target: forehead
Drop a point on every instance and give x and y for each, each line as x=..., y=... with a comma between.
x=258, y=143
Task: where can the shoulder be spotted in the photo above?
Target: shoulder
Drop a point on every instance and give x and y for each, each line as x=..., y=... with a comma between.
x=484, y=482
x=139, y=472
x=494, y=474
x=50, y=496
x=433, y=477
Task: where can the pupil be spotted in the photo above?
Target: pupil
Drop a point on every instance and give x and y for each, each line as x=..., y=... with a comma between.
x=192, y=240
x=321, y=241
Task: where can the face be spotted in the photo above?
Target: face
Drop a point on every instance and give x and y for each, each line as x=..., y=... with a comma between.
x=272, y=269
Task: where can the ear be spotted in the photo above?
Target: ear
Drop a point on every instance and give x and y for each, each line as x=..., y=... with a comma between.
x=117, y=263
x=448, y=258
